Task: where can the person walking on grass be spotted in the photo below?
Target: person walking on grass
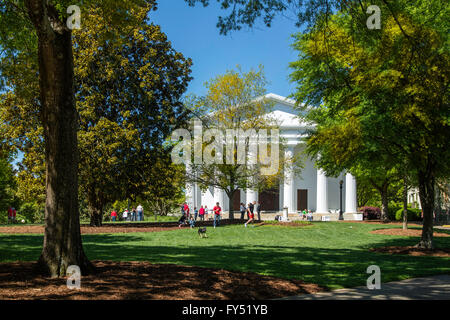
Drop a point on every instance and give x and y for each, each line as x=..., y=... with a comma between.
x=242, y=209
x=211, y=212
x=195, y=213
x=11, y=215
x=134, y=215
x=201, y=213
x=186, y=210
x=250, y=213
x=125, y=215
x=206, y=213
x=140, y=212
x=113, y=216
x=258, y=209
x=182, y=221
x=182, y=209
x=217, y=211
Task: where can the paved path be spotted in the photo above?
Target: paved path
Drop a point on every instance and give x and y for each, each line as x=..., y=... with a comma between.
x=429, y=288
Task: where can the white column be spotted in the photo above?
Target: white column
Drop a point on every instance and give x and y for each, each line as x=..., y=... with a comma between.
x=350, y=194
x=251, y=194
x=190, y=188
x=197, y=196
x=289, y=183
x=322, y=192
x=218, y=197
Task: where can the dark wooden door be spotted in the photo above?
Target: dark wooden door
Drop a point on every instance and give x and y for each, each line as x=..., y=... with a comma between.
x=270, y=200
x=302, y=199
x=237, y=200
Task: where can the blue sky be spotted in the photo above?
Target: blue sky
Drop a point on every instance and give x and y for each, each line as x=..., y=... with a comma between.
x=193, y=32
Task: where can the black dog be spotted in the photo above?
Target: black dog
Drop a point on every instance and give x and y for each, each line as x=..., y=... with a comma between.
x=202, y=232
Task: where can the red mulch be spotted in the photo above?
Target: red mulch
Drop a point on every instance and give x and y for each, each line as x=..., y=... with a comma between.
x=285, y=224
x=407, y=233
x=413, y=251
x=143, y=280
x=86, y=230
x=120, y=227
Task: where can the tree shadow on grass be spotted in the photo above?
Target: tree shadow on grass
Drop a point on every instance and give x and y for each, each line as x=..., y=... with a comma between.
x=327, y=267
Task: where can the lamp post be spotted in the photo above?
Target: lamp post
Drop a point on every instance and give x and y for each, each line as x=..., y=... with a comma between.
x=340, y=200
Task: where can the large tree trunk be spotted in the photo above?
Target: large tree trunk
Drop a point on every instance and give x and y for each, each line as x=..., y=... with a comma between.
x=384, y=202
x=96, y=214
x=230, y=205
x=62, y=239
x=95, y=207
x=405, y=204
x=426, y=194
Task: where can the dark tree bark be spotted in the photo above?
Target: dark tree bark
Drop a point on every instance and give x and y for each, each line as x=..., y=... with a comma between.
x=96, y=204
x=230, y=204
x=383, y=190
x=62, y=238
x=384, y=202
x=96, y=214
x=427, y=195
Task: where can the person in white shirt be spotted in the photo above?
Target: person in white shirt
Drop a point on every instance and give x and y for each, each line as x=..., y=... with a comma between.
x=125, y=215
x=140, y=211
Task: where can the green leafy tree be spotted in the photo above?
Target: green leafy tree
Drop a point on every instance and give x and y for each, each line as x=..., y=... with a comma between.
x=371, y=84
x=7, y=186
x=235, y=102
x=129, y=89
x=39, y=29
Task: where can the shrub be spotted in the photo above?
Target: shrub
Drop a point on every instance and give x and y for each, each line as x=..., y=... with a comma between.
x=32, y=212
x=371, y=213
x=392, y=211
x=413, y=214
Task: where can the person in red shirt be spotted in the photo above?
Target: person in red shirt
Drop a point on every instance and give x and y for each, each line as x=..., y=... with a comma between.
x=217, y=211
x=114, y=215
x=11, y=215
x=201, y=213
x=186, y=210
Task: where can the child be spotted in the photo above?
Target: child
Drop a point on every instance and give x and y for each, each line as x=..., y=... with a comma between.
x=125, y=215
x=191, y=222
x=304, y=214
x=113, y=216
x=182, y=221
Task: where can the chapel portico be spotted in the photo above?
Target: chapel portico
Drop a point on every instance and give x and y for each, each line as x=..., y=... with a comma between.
x=311, y=190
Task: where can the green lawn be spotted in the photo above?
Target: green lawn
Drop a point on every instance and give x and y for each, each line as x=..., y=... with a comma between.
x=330, y=254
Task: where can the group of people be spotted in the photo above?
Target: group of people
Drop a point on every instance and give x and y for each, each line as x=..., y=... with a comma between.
x=136, y=214
x=250, y=210
x=189, y=219
x=306, y=214
x=202, y=214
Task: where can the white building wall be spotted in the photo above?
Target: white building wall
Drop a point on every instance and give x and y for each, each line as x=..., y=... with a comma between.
x=293, y=132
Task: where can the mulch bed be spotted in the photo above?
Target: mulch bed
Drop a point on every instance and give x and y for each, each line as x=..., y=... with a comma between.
x=407, y=233
x=413, y=251
x=120, y=227
x=285, y=224
x=410, y=250
x=143, y=280
x=86, y=230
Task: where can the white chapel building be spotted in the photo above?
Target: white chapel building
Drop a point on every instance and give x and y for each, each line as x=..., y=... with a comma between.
x=313, y=190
